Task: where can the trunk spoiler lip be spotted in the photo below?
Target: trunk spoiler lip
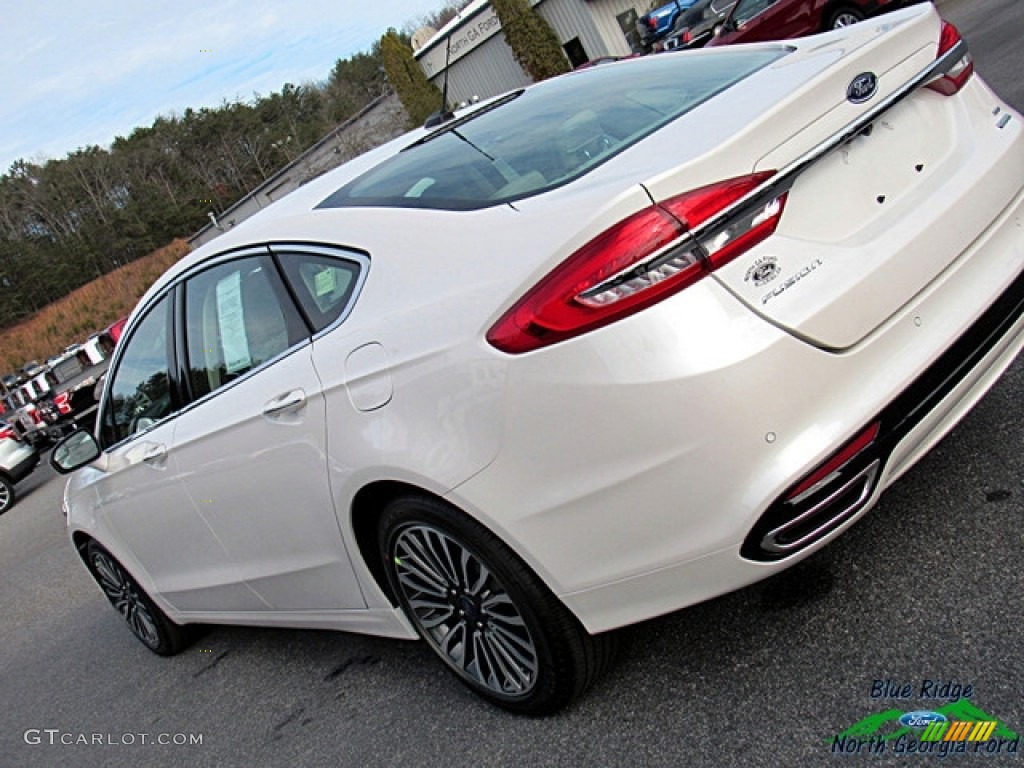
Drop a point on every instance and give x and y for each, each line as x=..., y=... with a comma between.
x=783, y=181
x=780, y=183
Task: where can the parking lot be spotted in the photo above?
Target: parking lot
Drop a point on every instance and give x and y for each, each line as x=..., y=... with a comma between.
x=919, y=602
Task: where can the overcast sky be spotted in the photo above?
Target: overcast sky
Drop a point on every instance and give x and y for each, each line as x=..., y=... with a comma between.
x=81, y=72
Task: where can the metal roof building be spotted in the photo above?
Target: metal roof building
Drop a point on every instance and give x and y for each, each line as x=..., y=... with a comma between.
x=480, y=63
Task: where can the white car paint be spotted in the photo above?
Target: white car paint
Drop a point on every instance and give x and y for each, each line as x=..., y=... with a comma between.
x=625, y=465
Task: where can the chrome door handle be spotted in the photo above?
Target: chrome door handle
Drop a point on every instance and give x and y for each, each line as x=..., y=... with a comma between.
x=290, y=401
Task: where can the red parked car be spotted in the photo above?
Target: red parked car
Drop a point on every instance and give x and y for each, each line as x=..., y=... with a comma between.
x=754, y=21
x=116, y=329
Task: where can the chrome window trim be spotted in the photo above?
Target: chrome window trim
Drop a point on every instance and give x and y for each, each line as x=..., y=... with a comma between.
x=271, y=249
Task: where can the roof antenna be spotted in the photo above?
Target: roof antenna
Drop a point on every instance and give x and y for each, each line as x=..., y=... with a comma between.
x=443, y=115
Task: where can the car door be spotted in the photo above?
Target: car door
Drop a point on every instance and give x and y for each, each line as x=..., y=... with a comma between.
x=154, y=526
x=761, y=20
x=251, y=447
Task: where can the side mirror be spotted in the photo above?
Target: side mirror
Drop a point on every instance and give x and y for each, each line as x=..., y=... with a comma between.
x=74, y=451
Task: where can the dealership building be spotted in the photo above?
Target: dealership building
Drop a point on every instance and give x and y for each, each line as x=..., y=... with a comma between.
x=480, y=64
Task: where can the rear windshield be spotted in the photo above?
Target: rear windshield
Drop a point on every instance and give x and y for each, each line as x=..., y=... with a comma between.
x=541, y=138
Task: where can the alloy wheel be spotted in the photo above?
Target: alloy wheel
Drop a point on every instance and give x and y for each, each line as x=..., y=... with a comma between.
x=6, y=496
x=120, y=589
x=464, y=611
x=845, y=20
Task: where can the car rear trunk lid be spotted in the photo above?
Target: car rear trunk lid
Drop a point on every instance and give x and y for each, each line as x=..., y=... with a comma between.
x=873, y=220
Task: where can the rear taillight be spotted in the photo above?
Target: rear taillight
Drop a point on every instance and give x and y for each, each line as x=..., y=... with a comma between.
x=636, y=263
x=7, y=434
x=954, y=80
x=63, y=403
x=33, y=413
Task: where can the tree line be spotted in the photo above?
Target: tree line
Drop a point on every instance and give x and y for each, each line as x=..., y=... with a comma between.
x=64, y=222
x=67, y=221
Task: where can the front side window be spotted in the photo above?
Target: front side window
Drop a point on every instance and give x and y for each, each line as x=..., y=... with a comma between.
x=140, y=391
x=238, y=317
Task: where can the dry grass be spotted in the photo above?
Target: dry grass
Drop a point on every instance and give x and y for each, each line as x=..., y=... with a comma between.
x=90, y=308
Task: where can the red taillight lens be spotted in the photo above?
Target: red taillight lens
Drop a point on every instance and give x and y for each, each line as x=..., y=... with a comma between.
x=33, y=412
x=742, y=232
x=634, y=264
x=6, y=433
x=63, y=403
x=951, y=83
x=839, y=459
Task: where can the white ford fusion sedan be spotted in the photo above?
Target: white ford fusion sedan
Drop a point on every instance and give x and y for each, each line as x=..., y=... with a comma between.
x=589, y=353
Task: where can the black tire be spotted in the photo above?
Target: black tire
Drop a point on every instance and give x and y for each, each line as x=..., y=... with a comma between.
x=486, y=615
x=146, y=621
x=7, y=495
x=844, y=17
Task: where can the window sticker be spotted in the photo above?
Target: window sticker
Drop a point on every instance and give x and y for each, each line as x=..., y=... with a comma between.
x=231, y=319
x=326, y=282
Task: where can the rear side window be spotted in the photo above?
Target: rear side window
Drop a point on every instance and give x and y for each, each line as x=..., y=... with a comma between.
x=238, y=316
x=324, y=284
x=544, y=137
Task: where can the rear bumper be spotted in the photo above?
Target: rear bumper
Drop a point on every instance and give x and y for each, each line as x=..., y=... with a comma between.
x=670, y=588
x=815, y=514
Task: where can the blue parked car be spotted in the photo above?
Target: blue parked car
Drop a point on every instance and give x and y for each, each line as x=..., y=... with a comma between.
x=657, y=23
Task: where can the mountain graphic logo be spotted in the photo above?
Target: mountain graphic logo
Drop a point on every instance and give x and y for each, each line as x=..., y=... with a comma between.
x=886, y=726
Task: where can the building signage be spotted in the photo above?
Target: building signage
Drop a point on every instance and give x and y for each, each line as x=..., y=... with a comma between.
x=473, y=34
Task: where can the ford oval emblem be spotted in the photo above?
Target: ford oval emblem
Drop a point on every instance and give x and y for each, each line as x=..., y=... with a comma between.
x=862, y=88
x=921, y=719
